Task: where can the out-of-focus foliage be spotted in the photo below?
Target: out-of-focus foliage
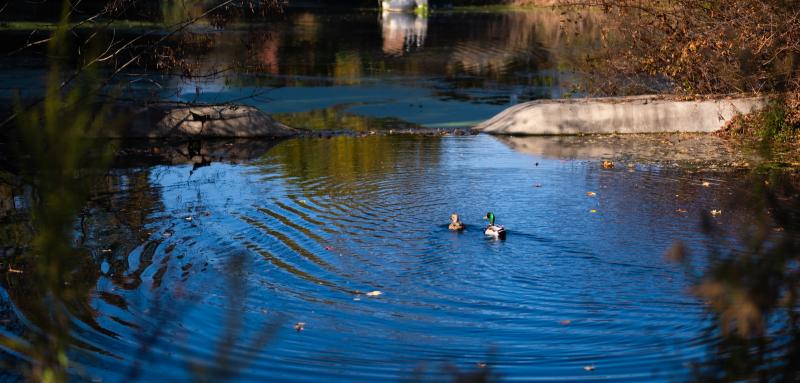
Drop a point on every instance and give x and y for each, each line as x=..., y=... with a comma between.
x=62, y=161
x=752, y=289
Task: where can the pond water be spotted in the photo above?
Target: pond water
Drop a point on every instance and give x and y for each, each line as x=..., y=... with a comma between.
x=190, y=264
x=260, y=256
x=367, y=70
x=357, y=70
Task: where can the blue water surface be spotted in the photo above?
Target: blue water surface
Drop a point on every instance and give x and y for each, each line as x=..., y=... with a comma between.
x=303, y=234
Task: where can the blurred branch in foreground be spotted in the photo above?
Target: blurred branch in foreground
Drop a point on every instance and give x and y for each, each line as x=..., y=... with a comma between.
x=61, y=158
x=752, y=289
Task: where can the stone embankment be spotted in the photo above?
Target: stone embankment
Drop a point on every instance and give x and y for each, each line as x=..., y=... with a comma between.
x=207, y=121
x=640, y=114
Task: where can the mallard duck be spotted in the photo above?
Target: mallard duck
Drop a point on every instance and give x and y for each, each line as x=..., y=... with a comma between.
x=493, y=230
x=455, y=223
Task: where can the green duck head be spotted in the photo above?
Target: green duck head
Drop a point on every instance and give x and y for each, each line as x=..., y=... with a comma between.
x=490, y=217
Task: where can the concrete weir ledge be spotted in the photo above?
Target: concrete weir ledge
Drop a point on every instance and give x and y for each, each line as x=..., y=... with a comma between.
x=639, y=114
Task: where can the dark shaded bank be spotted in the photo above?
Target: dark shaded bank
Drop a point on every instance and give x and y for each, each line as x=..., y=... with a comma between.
x=203, y=150
x=150, y=9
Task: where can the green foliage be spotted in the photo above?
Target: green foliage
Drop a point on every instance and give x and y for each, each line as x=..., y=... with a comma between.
x=62, y=157
x=773, y=123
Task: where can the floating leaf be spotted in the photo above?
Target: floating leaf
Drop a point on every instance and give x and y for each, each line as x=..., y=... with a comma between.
x=565, y=322
x=591, y=194
x=375, y=293
x=716, y=212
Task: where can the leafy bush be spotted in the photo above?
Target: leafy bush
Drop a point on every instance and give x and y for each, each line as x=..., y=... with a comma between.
x=705, y=46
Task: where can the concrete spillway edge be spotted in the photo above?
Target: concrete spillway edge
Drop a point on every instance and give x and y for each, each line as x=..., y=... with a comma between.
x=640, y=114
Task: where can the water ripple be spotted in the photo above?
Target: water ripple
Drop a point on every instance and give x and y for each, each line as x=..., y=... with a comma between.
x=238, y=250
